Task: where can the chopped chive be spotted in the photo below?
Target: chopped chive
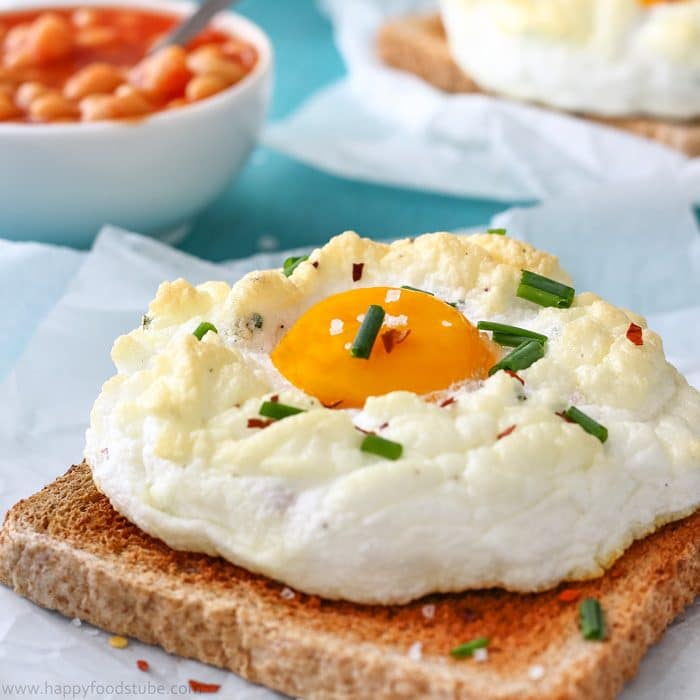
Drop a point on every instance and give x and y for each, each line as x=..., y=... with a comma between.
x=591, y=619
x=526, y=354
x=496, y=231
x=382, y=447
x=291, y=264
x=364, y=340
x=544, y=291
x=509, y=341
x=203, y=328
x=468, y=648
x=587, y=423
x=510, y=335
x=430, y=294
x=416, y=289
x=273, y=409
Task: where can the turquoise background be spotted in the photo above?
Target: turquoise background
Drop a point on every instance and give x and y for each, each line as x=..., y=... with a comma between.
x=296, y=204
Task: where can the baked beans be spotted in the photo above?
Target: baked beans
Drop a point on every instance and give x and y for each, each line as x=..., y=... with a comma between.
x=93, y=63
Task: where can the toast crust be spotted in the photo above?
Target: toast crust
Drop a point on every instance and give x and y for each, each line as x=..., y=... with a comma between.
x=67, y=549
x=418, y=45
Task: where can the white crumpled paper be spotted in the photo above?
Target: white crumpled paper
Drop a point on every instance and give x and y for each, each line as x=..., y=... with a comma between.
x=382, y=125
x=46, y=399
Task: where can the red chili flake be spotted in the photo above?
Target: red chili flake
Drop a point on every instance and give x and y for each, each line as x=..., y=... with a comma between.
x=198, y=687
x=563, y=416
x=447, y=402
x=393, y=337
x=634, y=334
x=365, y=432
x=569, y=595
x=274, y=398
x=143, y=665
x=510, y=373
x=385, y=424
x=315, y=263
x=333, y=404
x=259, y=422
x=357, y=269
x=506, y=432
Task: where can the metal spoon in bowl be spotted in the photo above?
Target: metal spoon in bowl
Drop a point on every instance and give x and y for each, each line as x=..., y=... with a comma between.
x=192, y=25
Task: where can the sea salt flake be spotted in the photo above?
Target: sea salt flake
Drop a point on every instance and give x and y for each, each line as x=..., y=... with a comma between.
x=481, y=655
x=392, y=295
x=360, y=317
x=428, y=611
x=415, y=651
x=394, y=321
x=76, y=622
x=447, y=324
x=336, y=327
x=535, y=672
x=287, y=593
x=347, y=346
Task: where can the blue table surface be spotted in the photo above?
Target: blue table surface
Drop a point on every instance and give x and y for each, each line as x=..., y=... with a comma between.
x=279, y=200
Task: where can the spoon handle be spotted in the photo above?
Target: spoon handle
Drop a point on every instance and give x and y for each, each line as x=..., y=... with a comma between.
x=193, y=24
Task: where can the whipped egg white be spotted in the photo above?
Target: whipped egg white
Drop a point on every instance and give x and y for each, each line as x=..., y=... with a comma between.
x=606, y=57
x=493, y=487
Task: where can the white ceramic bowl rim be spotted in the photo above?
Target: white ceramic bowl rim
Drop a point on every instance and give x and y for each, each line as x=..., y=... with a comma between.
x=230, y=22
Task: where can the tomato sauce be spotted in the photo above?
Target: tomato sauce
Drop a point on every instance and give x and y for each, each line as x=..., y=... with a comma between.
x=119, y=37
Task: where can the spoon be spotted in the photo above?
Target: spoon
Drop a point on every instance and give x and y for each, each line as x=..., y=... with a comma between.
x=192, y=25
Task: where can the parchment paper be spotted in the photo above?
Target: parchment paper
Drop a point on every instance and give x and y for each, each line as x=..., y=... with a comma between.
x=383, y=125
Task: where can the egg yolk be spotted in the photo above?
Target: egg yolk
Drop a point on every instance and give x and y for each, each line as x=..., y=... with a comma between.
x=424, y=345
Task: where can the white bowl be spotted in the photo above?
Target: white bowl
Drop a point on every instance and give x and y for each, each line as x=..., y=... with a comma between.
x=60, y=183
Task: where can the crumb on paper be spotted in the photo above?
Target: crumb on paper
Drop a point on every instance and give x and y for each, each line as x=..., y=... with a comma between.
x=118, y=642
x=76, y=622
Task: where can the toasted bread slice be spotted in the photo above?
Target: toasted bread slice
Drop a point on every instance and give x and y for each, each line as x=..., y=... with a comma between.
x=419, y=45
x=66, y=548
